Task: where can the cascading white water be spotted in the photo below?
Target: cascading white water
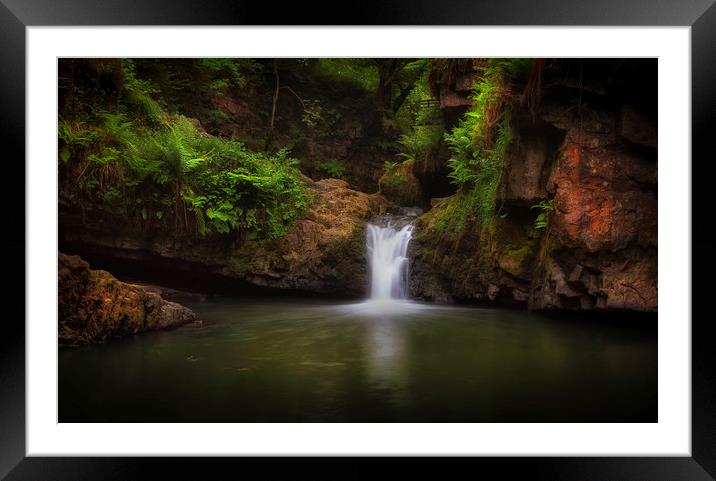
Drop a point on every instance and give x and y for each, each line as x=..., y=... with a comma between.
x=388, y=261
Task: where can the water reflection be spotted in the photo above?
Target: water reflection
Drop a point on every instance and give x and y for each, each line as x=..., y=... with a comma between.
x=386, y=359
x=393, y=361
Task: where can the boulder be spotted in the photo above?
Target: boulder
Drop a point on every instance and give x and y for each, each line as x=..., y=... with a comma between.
x=94, y=307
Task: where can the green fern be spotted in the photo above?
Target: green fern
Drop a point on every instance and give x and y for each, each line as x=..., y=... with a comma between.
x=542, y=219
x=479, y=144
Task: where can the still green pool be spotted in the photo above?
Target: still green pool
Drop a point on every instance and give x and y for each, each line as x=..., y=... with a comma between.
x=302, y=361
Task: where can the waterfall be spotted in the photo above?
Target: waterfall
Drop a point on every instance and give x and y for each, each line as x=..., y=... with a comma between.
x=387, y=260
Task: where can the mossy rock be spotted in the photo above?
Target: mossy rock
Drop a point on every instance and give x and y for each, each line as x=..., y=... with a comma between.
x=400, y=185
x=517, y=260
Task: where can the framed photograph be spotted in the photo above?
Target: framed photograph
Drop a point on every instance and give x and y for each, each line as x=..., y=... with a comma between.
x=436, y=232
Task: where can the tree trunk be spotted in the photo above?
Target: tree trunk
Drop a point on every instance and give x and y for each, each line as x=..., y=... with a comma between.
x=269, y=137
x=386, y=75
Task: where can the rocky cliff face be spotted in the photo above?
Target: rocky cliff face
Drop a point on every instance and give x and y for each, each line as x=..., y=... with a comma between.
x=322, y=253
x=95, y=307
x=589, y=150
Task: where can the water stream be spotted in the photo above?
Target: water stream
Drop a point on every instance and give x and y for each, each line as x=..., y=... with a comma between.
x=387, y=251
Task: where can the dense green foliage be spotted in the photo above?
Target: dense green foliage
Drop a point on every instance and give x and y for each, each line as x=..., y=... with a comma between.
x=479, y=144
x=331, y=167
x=192, y=86
x=205, y=146
x=362, y=72
x=420, y=119
x=135, y=160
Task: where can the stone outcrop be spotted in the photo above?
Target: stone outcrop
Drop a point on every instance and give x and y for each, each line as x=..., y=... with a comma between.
x=453, y=86
x=476, y=265
x=400, y=185
x=94, y=307
x=589, y=150
x=323, y=252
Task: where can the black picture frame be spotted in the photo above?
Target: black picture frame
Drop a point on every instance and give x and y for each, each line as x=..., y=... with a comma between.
x=700, y=15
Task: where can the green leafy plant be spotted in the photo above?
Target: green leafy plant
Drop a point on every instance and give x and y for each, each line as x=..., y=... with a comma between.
x=544, y=207
x=479, y=144
x=389, y=166
x=331, y=167
x=420, y=118
x=312, y=111
x=143, y=165
x=138, y=94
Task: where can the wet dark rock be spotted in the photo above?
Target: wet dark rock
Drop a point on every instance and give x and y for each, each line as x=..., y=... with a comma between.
x=95, y=307
x=637, y=126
